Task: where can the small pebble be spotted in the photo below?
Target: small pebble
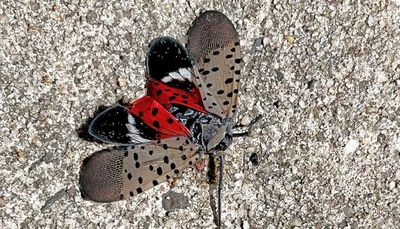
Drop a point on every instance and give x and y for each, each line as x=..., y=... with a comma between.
x=71, y=192
x=173, y=200
x=246, y=225
x=251, y=149
x=289, y=39
x=351, y=146
x=2, y=202
x=63, y=89
x=302, y=104
x=35, y=141
x=296, y=222
x=392, y=185
x=47, y=79
x=121, y=82
x=245, y=120
x=252, y=177
x=49, y=121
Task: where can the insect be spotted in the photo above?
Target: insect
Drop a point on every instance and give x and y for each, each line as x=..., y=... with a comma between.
x=188, y=111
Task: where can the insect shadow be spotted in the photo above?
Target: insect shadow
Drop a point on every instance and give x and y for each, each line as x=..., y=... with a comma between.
x=83, y=130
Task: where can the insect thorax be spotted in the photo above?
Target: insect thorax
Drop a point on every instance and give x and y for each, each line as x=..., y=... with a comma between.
x=208, y=131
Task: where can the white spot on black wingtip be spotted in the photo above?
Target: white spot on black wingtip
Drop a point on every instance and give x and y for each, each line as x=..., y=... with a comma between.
x=185, y=73
x=181, y=75
x=176, y=76
x=134, y=134
x=166, y=79
x=131, y=119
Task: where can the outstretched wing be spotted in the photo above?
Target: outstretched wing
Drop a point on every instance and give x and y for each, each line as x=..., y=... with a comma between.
x=157, y=117
x=115, y=174
x=116, y=125
x=213, y=43
x=169, y=70
x=167, y=96
x=168, y=61
x=144, y=120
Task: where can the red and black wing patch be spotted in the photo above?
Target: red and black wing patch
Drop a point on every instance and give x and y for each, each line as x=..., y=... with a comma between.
x=169, y=70
x=157, y=117
x=167, y=95
x=144, y=120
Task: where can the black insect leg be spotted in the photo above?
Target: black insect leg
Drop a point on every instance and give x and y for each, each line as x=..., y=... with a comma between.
x=241, y=134
x=249, y=127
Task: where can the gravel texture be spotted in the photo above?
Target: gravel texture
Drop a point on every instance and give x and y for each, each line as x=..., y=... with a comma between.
x=324, y=75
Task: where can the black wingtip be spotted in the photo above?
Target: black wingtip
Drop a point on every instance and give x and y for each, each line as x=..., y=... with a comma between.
x=110, y=126
x=166, y=55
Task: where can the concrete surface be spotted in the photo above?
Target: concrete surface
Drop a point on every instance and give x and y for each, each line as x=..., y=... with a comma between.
x=324, y=75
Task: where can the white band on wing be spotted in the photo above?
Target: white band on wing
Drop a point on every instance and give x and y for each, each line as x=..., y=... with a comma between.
x=134, y=133
x=181, y=75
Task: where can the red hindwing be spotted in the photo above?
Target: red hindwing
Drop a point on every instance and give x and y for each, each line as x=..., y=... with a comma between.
x=157, y=117
x=167, y=95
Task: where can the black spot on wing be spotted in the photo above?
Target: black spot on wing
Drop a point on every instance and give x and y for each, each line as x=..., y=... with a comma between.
x=229, y=80
x=159, y=171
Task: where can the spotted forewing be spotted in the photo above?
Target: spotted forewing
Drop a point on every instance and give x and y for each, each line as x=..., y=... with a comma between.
x=214, y=46
x=115, y=174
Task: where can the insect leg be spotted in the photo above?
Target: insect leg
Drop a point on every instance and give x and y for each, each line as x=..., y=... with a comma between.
x=249, y=128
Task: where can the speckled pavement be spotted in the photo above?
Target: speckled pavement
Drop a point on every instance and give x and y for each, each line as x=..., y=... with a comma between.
x=324, y=75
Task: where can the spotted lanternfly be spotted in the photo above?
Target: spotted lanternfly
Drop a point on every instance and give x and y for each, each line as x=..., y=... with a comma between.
x=187, y=111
